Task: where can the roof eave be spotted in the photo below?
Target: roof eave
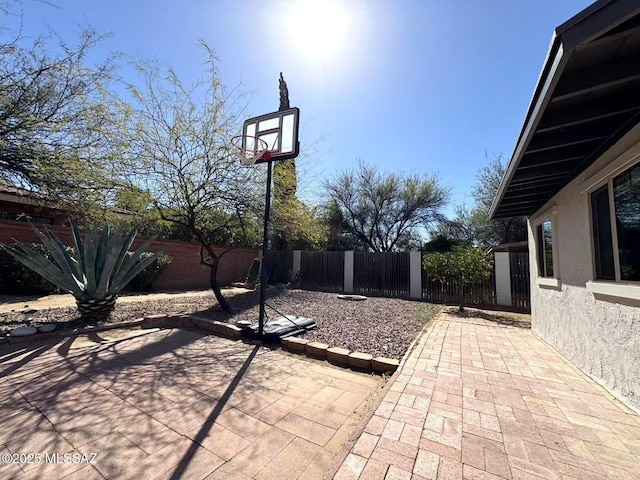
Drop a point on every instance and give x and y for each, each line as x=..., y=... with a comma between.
x=549, y=76
x=582, y=28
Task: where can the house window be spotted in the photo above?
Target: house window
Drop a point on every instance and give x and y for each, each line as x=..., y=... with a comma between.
x=615, y=214
x=545, y=249
x=602, y=239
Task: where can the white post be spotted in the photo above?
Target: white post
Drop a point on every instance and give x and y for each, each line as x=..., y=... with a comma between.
x=297, y=257
x=503, y=278
x=348, y=272
x=415, y=275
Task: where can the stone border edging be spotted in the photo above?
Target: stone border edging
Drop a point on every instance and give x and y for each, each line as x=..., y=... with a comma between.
x=341, y=357
x=321, y=351
x=69, y=333
x=149, y=321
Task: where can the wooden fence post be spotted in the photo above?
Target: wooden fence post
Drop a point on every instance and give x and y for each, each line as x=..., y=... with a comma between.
x=348, y=271
x=297, y=257
x=415, y=275
x=503, y=278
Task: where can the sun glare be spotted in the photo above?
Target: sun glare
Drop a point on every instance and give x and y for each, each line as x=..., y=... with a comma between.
x=318, y=28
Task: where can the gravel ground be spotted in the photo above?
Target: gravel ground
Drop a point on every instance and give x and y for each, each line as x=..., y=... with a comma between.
x=379, y=326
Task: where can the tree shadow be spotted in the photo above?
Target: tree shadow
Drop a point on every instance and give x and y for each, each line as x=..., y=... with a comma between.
x=240, y=303
x=501, y=319
x=69, y=319
x=16, y=352
x=211, y=419
x=77, y=391
x=69, y=388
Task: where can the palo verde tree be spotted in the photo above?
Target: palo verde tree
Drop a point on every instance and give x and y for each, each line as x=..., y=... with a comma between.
x=174, y=143
x=464, y=266
x=50, y=116
x=386, y=211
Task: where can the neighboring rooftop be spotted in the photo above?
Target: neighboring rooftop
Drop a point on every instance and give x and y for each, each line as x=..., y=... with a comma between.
x=511, y=247
x=20, y=195
x=17, y=195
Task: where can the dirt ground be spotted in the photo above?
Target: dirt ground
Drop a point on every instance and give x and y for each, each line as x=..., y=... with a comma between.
x=10, y=303
x=378, y=326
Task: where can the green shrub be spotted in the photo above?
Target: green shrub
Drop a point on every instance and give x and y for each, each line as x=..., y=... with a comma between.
x=17, y=279
x=144, y=281
x=465, y=265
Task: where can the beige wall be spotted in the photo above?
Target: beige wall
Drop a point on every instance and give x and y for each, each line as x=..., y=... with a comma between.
x=600, y=334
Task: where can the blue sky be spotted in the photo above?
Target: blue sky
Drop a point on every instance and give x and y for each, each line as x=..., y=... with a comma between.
x=406, y=85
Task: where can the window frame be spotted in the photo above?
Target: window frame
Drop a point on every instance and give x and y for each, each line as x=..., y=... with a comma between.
x=550, y=215
x=618, y=288
x=543, y=267
x=608, y=182
x=596, y=250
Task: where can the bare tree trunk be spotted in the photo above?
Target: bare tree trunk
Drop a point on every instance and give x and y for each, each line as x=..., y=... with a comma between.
x=461, y=297
x=213, y=281
x=212, y=262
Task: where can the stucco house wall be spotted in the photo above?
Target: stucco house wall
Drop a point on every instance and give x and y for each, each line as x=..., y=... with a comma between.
x=598, y=333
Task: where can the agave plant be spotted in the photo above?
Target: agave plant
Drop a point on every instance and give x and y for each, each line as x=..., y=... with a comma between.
x=94, y=272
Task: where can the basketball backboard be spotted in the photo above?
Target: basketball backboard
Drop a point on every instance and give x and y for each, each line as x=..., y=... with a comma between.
x=278, y=129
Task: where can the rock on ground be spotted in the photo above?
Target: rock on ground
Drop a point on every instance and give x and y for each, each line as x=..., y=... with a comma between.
x=379, y=326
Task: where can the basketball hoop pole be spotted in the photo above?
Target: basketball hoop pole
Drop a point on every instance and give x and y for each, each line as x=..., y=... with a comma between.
x=261, y=138
x=265, y=248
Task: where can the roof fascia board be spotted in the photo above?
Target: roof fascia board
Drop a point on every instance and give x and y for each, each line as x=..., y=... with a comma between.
x=579, y=17
x=7, y=197
x=549, y=78
x=595, y=21
x=551, y=51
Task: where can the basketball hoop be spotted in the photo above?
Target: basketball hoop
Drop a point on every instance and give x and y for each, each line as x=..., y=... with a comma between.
x=252, y=149
x=268, y=138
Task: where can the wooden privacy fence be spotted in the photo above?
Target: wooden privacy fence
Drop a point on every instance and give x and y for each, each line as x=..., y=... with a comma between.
x=384, y=274
x=400, y=275
x=322, y=271
x=278, y=266
x=478, y=294
x=520, y=287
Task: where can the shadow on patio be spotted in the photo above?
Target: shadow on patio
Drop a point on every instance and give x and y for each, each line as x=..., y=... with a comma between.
x=172, y=403
x=505, y=319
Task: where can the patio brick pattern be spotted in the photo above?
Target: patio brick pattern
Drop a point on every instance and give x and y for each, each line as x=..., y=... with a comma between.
x=174, y=403
x=474, y=400
x=480, y=400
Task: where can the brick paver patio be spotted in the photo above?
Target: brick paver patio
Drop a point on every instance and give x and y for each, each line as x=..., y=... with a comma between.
x=479, y=400
x=173, y=404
